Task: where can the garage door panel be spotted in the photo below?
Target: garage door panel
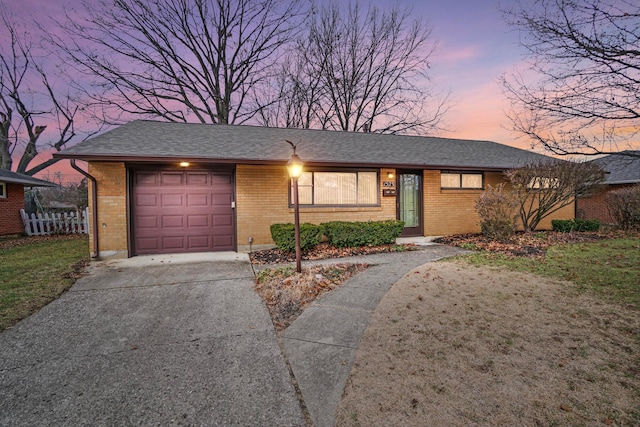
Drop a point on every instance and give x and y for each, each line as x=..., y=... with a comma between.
x=146, y=178
x=182, y=211
x=195, y=178
x=198, y=221
x=147, y=244
x=172, y=179
x=147, y=200
x=223, y=200
x=199, y=242
x=222, y=240
x=172, y=200
x=198, y=200
x=173, y=242
x=223, y=180
x=172, y=221
x=222, y=220
x=147, y=221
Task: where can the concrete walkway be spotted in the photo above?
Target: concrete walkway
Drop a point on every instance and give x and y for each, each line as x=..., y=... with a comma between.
x=150, y=341
x=321, y=344
x=185, y=340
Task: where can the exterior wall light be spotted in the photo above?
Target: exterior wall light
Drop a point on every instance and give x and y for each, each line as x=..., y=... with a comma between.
x=294, y=166
x=390, y=175
x=184, y=164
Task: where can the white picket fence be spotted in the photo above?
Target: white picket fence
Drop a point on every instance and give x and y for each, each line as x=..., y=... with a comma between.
x=56, y=223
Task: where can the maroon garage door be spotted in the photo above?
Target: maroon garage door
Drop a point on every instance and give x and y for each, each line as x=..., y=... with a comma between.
x=182, y=211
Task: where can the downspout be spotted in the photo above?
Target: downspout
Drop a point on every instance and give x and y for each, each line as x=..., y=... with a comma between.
x=94, y=206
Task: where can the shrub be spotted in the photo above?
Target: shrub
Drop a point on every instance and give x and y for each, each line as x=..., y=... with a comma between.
x=497, y=209
x=283, y=236
x=624, y=207
x=569, y=225
x=353, y=234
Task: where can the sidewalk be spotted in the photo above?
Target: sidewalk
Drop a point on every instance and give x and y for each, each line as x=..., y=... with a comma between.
x=321, y=344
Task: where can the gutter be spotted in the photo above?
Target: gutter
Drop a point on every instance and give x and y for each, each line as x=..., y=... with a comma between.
x=94, y=206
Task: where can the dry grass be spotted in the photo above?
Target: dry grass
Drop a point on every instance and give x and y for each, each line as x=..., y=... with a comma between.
x=456, y=345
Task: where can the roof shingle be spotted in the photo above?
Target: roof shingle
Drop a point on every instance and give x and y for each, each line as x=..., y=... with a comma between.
x=162, y=141
x=623, y=169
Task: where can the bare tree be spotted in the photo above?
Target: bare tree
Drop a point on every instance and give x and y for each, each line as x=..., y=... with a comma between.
x=29, y=104
x=179, y=60
x=355, y=70
x=584, y=56
x=546, y=186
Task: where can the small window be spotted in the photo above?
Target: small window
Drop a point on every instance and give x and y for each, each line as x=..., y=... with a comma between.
x=463, y=180
x=3, y=190
x=338, y=188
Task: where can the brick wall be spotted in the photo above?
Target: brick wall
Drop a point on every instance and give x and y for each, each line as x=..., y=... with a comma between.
x=453, y=211
x=595, y=207
x=262, y=200
x=112, y=207
x=10, y=221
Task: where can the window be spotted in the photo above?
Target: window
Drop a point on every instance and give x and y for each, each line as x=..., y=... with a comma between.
x=3, y=190
x=338, y=188
x=541, y=182
x=465, y=180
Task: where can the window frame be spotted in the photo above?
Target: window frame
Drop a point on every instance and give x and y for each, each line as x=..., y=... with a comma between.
x=461, y=173
x=336, y=170
x=3, y=190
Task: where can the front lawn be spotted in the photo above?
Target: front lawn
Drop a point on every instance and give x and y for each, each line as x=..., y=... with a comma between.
x=35, y=271
x=609, y=268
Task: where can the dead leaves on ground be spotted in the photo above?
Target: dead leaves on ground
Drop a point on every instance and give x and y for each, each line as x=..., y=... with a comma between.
x=322, y=251
x=286, y=293
x=532, y=244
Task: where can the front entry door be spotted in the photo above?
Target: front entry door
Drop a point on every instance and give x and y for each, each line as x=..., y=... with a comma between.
x=409, y=202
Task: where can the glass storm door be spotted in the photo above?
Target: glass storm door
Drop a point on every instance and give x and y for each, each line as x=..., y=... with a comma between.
x=409, y=202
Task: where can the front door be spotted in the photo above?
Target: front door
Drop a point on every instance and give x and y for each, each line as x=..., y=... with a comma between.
x=409, y=202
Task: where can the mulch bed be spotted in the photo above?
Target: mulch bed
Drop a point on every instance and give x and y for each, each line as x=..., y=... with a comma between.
x=287, y=293
x=532, y=244
x=322, y=251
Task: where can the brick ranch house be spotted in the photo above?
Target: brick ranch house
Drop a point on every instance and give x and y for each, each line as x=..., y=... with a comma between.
x=175, y=187
x=622, y=171
x=12, y=186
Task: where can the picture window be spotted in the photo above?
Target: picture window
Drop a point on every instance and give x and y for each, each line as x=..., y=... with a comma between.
x=338, y=188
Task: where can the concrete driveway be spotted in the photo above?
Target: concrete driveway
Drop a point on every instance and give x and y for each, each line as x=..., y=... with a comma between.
x=149, y=342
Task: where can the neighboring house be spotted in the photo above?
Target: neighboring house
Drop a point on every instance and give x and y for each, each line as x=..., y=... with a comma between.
x=12, y=199
x=176, y=187
x=622, y=171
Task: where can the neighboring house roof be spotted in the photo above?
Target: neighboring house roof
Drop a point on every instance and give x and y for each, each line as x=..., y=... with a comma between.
x=26, y=180
x=621, y=168
x=143, y=140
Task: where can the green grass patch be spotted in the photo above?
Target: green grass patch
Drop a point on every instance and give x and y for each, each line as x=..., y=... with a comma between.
x=609, y=268
x=34, y=274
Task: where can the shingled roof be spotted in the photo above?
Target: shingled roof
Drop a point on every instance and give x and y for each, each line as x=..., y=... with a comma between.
x=153, y=141
x=621, y=168
x=26, y=180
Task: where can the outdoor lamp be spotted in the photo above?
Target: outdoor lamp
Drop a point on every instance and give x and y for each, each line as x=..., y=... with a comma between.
x=294, y=166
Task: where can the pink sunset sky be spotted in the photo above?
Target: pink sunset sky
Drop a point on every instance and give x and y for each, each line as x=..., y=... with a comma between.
x=475, y=47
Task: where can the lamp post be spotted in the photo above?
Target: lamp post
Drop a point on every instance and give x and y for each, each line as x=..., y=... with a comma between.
x=294, y=166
